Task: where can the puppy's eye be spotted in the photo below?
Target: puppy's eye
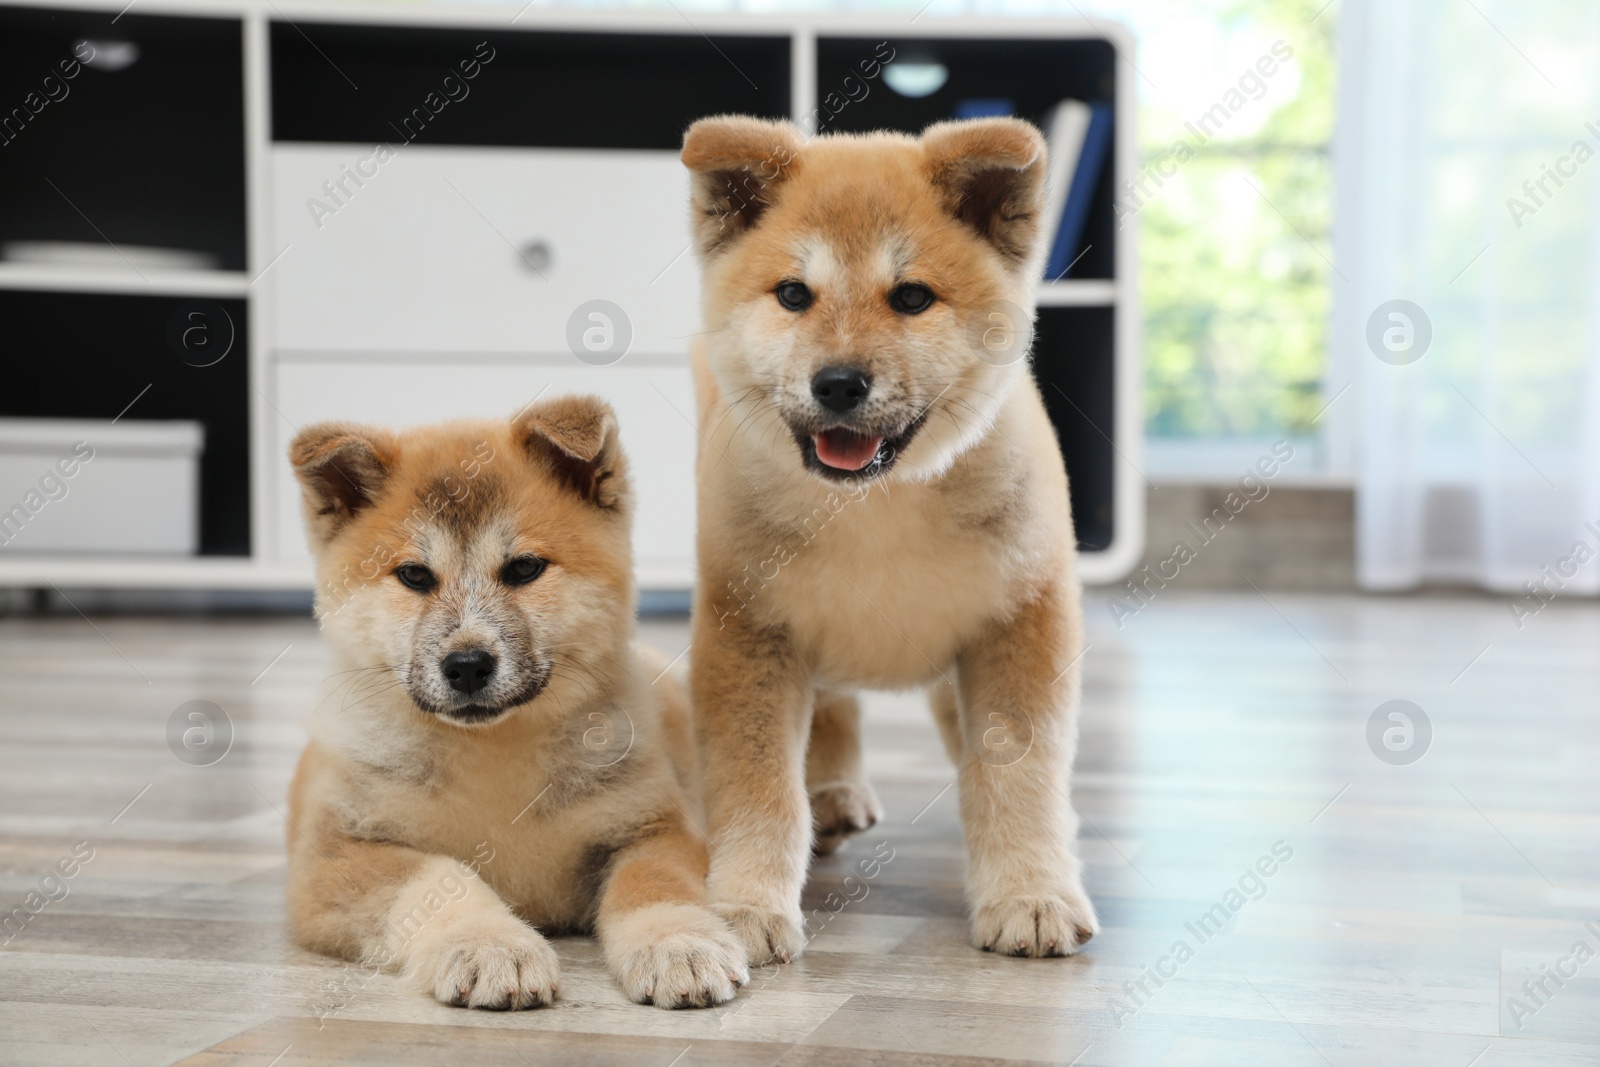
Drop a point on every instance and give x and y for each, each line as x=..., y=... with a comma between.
x=793, y=295
x=911, y=298
x=522, y=570
x=416, y=576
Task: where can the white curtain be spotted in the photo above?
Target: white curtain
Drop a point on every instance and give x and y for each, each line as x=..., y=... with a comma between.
x=1478, y=462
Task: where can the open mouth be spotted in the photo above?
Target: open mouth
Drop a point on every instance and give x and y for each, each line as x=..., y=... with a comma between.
x=844, y=452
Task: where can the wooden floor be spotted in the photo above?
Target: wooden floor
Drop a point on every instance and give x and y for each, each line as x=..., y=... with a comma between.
x=1418, y=898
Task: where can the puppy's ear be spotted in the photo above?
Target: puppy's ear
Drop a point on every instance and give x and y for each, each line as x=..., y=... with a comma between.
x=575, y=437
x=341, y=469
x=990, y=173
x=739, y=163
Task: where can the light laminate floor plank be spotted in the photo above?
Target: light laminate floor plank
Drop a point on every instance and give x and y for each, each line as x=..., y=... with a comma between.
x=1418, y=900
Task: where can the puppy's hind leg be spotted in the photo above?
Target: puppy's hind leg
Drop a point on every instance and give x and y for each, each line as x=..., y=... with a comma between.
x=842, y=800
x=663, y=943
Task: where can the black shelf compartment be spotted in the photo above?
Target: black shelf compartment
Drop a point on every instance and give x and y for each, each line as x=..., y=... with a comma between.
x=88, y=355
x=1074, y=364
x=151, y=155
x=1035, y=74
x=551, y=89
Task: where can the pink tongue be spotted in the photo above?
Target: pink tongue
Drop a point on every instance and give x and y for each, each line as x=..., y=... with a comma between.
x=845, y=450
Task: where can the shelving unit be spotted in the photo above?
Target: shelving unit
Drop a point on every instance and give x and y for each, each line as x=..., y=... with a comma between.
x=563, y=150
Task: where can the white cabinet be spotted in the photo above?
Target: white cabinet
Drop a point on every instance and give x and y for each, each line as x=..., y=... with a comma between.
x=451, y=281
x=451, y=273
x=465, y=249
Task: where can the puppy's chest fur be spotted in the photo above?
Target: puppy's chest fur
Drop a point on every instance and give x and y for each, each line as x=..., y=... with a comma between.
x=537, y=821
x=888, y=591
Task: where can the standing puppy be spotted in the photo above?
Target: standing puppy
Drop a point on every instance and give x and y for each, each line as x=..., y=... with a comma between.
x=497, y=753
x=882, y=504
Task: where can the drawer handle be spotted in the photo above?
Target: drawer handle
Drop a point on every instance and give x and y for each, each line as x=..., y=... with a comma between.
x=535, y=256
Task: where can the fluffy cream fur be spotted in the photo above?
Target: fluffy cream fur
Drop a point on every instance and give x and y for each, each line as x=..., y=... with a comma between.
x=947, y=562
x=431, y=832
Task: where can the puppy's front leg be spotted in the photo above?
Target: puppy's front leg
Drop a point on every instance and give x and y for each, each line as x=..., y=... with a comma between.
x=428, y=917
x=752, y=701
x=663, y=943
x=1019, y=693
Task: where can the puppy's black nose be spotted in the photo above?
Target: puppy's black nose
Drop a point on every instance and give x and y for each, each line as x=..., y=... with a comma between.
x=840, y=389
x=468, y=672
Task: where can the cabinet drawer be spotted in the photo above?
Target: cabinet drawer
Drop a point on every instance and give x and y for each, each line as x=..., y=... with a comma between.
x=478, y=249
x=654, y=402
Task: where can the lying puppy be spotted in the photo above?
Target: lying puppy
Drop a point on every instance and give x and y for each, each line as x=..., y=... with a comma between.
x=867, y=303
x=497, y=754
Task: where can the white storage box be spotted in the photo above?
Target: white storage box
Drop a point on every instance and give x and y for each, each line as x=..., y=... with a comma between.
x=95, y=486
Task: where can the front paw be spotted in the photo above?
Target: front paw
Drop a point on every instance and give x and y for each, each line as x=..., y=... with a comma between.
x=500, y=966
x=840, y=809
x=766, y=934
x=1037, y=924
x=676, y=956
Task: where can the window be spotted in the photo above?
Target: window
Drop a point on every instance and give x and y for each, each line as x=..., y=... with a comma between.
x=1234, y=205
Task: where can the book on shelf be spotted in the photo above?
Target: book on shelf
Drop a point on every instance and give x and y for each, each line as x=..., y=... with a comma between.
x=1079, y=136
x=984, y=107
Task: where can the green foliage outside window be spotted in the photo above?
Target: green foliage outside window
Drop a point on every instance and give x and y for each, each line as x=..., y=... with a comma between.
x=1235, y=246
